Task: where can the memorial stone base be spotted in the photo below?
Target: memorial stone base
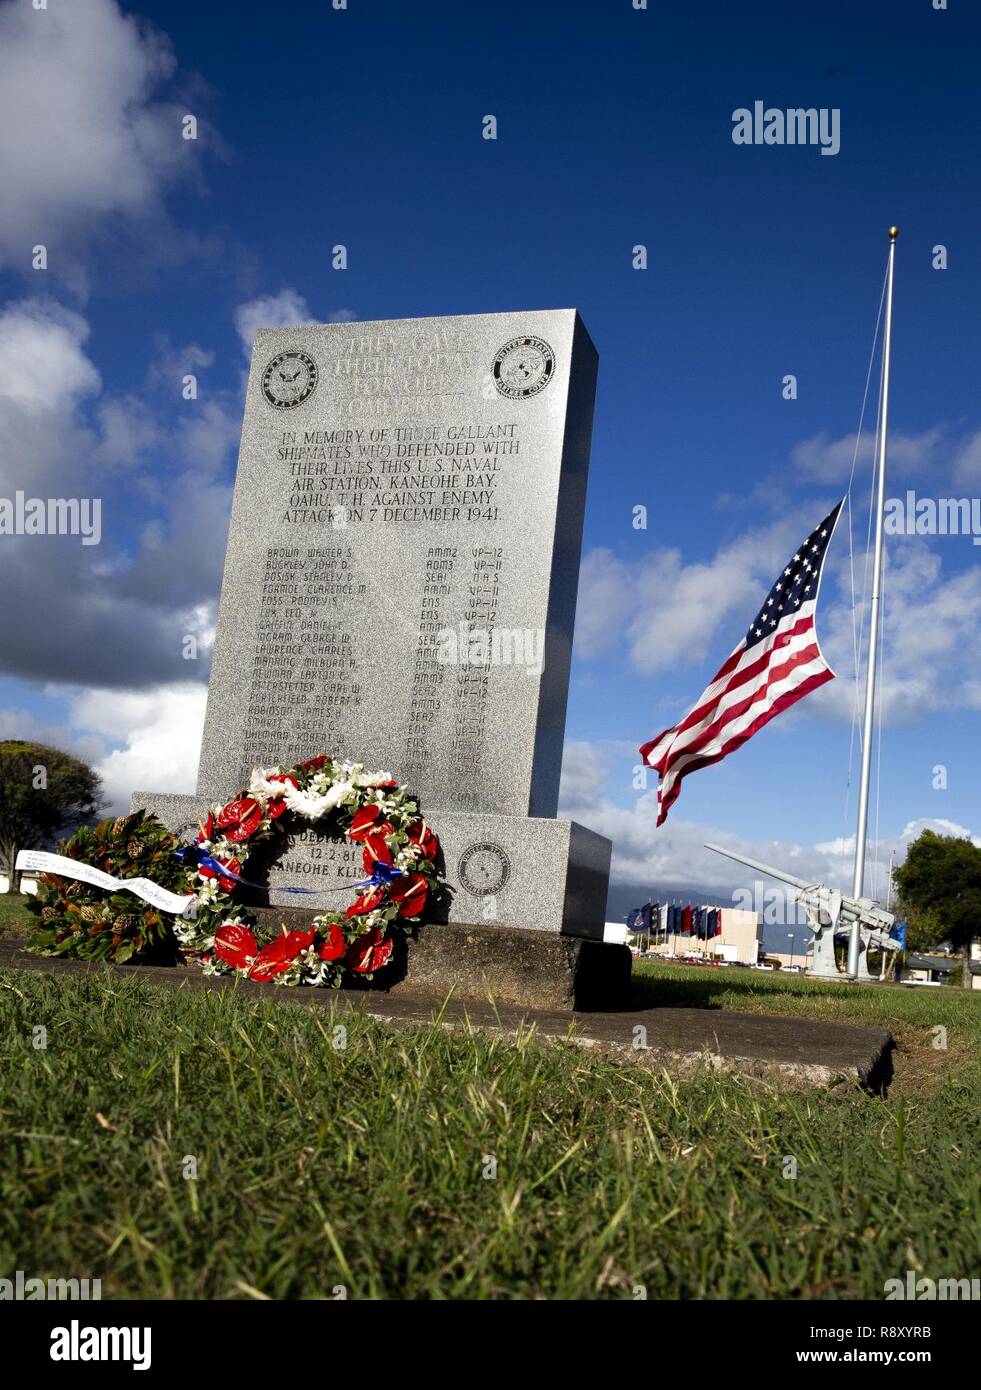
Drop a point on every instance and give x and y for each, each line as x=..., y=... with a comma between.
x=521, y=921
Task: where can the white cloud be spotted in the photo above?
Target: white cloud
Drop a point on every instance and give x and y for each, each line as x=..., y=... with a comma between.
x=680, y=607
x=128, y=430
x=160, y=731
x=604, y=594
x=583, y=772
x=270, y=311
x=661, y=611
x=203, y=438
x=657, y=613
x=21, y=724
x=279, y=310
x=43, y=367
x=114, y=614
x=87, y=136
x=931, y=660
x=824, y=460
x=675, y=856
x=967, y=465
x=170, y=364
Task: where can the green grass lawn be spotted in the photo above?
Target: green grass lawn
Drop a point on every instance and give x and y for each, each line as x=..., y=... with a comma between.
x=364, y=1165
x=15, y=920
x=909, y=1013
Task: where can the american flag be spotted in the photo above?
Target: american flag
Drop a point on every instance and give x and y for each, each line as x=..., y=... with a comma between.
x=776, y=664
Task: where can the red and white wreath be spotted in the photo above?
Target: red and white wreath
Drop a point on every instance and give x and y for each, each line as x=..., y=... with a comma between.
x=370, y=809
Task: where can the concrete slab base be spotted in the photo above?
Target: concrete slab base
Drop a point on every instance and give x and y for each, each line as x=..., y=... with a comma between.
x=514, y=966
x=801, y=1051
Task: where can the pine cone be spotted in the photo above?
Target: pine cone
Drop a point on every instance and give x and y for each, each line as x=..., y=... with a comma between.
x=134, y=848
x=90, y=914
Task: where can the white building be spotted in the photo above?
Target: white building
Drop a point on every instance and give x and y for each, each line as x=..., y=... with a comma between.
x=738, y=941
x=615, y=933
x=28, y=882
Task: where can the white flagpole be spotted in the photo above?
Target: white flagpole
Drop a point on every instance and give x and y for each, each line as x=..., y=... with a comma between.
x=858, y=880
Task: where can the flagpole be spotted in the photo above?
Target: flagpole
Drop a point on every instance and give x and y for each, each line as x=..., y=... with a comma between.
x=858, y=880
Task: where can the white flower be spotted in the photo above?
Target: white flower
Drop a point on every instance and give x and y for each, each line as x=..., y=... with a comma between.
x=261, y=789
x=312, y=807
x=368, y=921
x=373, y=779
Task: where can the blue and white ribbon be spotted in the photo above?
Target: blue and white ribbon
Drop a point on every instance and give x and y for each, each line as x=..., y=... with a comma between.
x=381, y=874
x=181, y=904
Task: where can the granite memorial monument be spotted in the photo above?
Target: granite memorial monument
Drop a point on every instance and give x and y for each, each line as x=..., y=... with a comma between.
x=400, y=589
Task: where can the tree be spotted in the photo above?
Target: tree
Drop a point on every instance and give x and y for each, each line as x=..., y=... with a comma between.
x=939, y=886
x=43, y=793
x=925, y=929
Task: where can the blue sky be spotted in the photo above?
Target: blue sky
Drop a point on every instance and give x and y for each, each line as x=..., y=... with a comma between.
x=614, y=129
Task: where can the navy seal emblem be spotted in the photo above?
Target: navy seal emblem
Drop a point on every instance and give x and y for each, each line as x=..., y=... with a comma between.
x=289, y=380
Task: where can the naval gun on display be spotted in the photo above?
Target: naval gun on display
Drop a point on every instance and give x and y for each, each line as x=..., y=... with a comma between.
x=828, y=912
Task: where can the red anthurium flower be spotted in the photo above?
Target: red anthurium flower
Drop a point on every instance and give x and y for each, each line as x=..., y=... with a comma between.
x=382, y=953
x=227, y=885
x=235, y=945
x=409, y=892
x=277, y=957
x=207, y=829
x=315, y=764
x=363, y=822
x=276, y=806
x=366, y=903
x=240, y=819
x=334, y=946
x=370, y=952
x=268, y=964
x=421, y=835
x=376, y=850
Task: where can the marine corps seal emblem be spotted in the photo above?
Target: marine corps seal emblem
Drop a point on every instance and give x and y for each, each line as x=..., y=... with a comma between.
x=523, y=367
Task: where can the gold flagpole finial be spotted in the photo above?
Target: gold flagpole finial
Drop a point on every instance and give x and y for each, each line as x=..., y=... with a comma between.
x=893, y=233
